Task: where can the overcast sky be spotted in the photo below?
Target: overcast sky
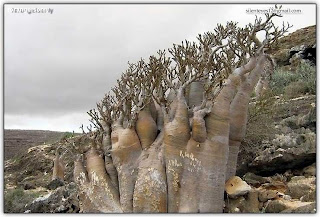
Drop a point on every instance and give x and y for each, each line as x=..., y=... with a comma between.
x=59, y=64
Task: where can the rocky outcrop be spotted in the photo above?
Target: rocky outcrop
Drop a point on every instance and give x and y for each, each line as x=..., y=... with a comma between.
x=236, y=187
x=244, y=204
x=297, y=47
x=294, y=56
x=55, y=183
x=287, y=151
x=62, y=200
x=293, y=147
x=287, y=193
x=300, y=186
x=285, y=206
x=255, y=180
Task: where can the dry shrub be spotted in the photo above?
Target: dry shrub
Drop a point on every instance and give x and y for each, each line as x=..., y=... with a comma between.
x=16, y=199
x=295, y=89
x=305, y=75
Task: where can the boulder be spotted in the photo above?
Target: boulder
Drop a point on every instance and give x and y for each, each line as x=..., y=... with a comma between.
x=286, y=197
x=275, y=185
x=310, y=170
x=302, y=208
x=62, y=200
x=291, y=145
x=244, y=204
x=300, y=186
x=55, y=183
x=235, y=205
x=276, y=206
x=28, y=186
x=252, y=202
x=309, y=197
x=286, y=152
x=283, y=57
x=302, y=53
x=236, y=187
x=266, y=195
x=254, y=180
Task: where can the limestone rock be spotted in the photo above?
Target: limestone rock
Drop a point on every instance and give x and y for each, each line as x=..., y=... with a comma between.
x=254, y=180
x=244, y=204
x=252, y=202
x=62, y=200
x=311, y=196
x=301, y=208
x=310, y=170
x=287, y=152
x=28, y=186
x=235, y=187
x=266, y=195
x=276, y=206
x=235, y=205
x=55, y=183
x=300, y=186
x=275, y=185
x=287, y=197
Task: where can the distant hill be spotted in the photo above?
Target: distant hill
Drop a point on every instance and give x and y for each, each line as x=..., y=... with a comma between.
x=16, y=141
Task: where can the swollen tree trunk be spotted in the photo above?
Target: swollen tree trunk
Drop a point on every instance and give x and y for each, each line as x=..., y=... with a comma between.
x=58, y=168
x=174, y=156
x=146, y=126
x=107, y=146
x=126, y=149
x=176, y=136
x=150, y=192
x=95, y=187
x=82, y=181
x=180, y=170
x=216, y=146
x=239, y=115
x=192, y=165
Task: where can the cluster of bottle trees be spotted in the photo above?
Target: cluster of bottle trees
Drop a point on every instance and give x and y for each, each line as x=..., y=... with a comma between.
x=168, y=134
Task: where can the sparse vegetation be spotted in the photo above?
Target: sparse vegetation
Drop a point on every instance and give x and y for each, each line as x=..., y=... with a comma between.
x=308, y=75
x=67, y=135
x=295, y=89
x=16, y=199
x=257, y=130
x=291, y=84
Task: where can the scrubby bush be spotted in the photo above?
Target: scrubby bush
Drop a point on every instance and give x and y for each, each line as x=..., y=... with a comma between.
x=304, y=79
x=67, y=135
x=308, y=76
x=295, y=89
x=262, y=109
x=16, y=199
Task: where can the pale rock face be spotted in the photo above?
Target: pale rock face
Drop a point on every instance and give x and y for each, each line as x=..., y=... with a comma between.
x=300, y=186
x=267, y=195
x=310, y=171
x=285, y=206
x=236, y=187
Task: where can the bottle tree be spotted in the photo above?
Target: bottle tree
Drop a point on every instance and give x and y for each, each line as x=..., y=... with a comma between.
x=168, y=134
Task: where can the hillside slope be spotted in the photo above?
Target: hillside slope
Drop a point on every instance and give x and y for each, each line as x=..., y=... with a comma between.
x=17, y=141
